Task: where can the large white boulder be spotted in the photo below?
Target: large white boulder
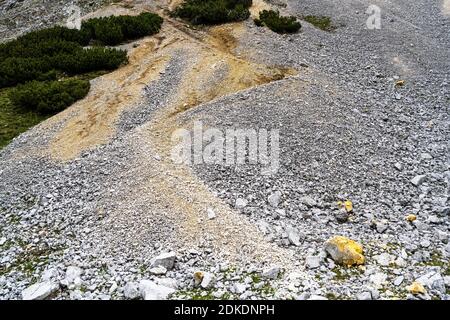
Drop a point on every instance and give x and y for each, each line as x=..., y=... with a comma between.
x=40, y=290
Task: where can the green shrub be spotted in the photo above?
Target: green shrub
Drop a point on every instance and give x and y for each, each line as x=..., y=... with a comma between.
x=109, y=33
x=48, y=40
x=49, y=96
x=88, y=60
x=113, y=30
x=19, y=70
x=44, y=54
x=277, y=23
x=321, y=22
x=38, y=49
x=56, y=33
x=213, y=11
x=14, y=121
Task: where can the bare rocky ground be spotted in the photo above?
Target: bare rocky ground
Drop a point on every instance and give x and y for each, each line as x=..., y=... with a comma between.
x=89, y=198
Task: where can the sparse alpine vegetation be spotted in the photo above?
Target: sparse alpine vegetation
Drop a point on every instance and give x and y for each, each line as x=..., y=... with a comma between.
x=211, y=12
x=277, y=23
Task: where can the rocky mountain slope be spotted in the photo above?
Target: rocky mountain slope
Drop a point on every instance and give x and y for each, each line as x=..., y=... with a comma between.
x=93, y=207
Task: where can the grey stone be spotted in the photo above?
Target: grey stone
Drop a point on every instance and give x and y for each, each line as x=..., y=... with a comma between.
x=151, y=291
x=239, y=288
x=167, y=282
x=274, y=199
x=271, y=273
x=433, y=280
x=378, y=279
x=131, y=291
x=166, y=260
x=208, y=281
x=317, y=297
x=313, y=262
x=39, y=291
x=50, y=274
x=366, y=295
x=398, y=281
x=241, y=203
x=73, y=272
x=418, y=180
x=211, y=214
x=159, y=270
x=384, y=259
x=293, y=236
x=308, y=201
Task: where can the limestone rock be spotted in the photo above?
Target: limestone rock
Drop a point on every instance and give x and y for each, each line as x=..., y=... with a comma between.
x=39, y=291
x=159, y=270
x=274, y=199
x=293, y=236
x=345, y=251
x=271, y=273
x=418, y=180
x=151, y=291
x=416, y=288
x=208, y=280
x=241, y=203
x=166, y=260
x=131, y=291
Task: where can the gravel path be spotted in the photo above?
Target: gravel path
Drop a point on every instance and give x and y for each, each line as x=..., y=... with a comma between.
x=346, y=132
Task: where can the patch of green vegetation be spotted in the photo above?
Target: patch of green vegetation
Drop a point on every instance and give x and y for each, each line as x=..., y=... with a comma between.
x=256, y=278
x=211, y=12
x=226, y=296
x=345, y=273
x=229, y=271
x=321, y=22
x=13, y=120
x=48, y=97
x=277, y=23
x=113, y=30
x=266, y=289
x=54, y=67
x=103, y=270
x=196, y=294
x=43, y=66
x=14, y=219
x=436, y=260
x=331, y=296
x=7, y=245
x=29, y=260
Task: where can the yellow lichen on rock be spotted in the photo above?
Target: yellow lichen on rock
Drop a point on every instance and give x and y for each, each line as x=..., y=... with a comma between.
x=198, y=277
x=347, y=204
x=416, y=288
x=345, y=251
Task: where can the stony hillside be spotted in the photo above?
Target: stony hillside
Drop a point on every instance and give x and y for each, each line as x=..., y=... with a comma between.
x=92, y=205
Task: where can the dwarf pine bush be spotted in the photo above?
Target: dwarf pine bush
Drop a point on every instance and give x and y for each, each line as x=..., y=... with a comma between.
x=277, y=23
x=212, y=12
x=48, y=97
